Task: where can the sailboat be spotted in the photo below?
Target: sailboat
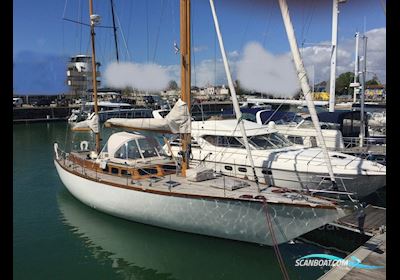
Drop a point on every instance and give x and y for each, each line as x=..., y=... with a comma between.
x=131, y=178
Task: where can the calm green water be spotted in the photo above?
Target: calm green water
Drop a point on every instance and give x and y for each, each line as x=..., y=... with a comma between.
x=57, y=237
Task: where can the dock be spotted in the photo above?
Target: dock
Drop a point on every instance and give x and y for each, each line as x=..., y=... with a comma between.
x=375, y=220
x=41, y=114
x=372, y=252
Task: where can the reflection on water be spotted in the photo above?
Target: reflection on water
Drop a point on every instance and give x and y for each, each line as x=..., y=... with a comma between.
x=138, y=251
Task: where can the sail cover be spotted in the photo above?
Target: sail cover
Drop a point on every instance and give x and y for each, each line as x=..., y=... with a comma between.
x=177, y=121
x=91, y=123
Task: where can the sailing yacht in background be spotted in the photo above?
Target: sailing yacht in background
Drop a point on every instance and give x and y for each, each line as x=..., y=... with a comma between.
x=131, y=178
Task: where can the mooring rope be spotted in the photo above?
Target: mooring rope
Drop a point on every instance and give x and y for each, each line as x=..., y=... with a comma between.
x=275, y=243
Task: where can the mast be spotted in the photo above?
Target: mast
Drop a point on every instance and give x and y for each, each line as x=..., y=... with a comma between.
x=356, y=62
x=115, y=30
x=302, y=75
x=94, y=19
x=235, y=102
x=185, y=75
x=332, y=89
x=335, y=13
x=362, y=97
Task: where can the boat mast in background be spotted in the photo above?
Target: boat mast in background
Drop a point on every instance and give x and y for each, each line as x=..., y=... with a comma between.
x=362, y=97
x=302, y=75
x=355, y=84
x=185, y=75
x=115, y=29
x=94, y=19
x=335, y=13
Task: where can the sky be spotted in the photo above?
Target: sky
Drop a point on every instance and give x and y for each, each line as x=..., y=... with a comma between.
x=252, y=30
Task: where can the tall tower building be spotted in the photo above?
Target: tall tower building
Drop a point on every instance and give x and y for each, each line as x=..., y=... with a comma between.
x=79, y=75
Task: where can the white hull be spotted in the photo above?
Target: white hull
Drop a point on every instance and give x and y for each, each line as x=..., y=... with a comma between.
x=362, y=185
x=225, y=218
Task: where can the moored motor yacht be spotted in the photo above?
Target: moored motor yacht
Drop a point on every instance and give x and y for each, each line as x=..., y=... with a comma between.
x=218, y=145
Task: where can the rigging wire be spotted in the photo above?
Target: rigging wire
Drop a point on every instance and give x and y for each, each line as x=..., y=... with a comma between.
x=193, y=44
x=123, y=37
x=131, y=18
x=215, y=59
x=268, y=23
x=65, y=8
x=80, y=29
x=158, y=30
x=307, y=20
x=147, y=29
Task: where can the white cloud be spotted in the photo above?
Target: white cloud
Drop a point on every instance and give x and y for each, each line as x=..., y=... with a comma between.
x=200, y=48
x=258, y=69
x=264, y=72
x=376, y=56
x=150, y=77
x=234, y=53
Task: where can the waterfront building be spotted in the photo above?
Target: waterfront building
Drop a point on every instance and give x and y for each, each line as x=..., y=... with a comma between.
x=79, y=75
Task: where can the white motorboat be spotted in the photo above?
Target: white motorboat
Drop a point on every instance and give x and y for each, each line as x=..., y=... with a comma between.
x=219, y=145
x=109, y=109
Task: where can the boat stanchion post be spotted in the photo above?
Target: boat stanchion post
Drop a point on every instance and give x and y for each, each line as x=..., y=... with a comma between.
x=361, y=217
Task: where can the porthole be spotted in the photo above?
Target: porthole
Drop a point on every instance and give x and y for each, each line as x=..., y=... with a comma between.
x=266, y=172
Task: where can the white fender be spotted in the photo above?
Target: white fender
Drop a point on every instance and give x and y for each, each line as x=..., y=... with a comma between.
x=56, y=150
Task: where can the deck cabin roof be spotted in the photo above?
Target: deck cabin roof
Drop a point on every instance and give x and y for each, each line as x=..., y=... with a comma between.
x=229, y=128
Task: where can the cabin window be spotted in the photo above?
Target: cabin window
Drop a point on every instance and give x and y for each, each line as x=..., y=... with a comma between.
x=122, y=152
x=211, y=139
x=133, y=151
x=149, y=147
x=313, y=141
x=147, y=171
x=249, y=116
x=105, y=149
x=114, y=170
x=242, y=169
x=269, y=141
x=338, y=156
x=266, y=172
x=226, y=141
x=223, y=141
x=125, y=172
x=228, y=167
x=295, y=139
x=168, y=167
x=129, y=150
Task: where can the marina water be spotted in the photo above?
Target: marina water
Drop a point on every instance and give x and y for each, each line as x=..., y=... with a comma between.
x=57, y=237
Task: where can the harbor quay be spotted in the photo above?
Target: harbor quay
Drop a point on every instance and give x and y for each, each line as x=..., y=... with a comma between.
x=47, y=113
